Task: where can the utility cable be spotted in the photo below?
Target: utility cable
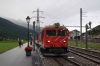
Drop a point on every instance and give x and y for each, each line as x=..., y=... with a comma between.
x=43, y=4
x=53, y=5
x=72, y=7
x=63, y=5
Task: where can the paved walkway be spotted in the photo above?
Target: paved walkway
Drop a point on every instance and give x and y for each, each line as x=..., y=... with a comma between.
x=15, y=57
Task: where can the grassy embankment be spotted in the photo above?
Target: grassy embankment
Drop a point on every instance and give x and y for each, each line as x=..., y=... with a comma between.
x=7, y=45
x=94, y=46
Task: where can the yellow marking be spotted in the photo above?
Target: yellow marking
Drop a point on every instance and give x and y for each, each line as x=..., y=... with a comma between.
x=42, y=56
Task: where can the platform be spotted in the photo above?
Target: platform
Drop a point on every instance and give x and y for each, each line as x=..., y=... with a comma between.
x=16, y=57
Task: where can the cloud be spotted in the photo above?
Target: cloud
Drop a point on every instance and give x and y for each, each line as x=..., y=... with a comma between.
x=66, y=12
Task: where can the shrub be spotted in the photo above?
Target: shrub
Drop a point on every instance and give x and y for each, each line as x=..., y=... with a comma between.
x=1, y=39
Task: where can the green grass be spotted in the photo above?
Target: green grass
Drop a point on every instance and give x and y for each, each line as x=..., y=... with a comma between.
x=95, y=46
x=7, y=45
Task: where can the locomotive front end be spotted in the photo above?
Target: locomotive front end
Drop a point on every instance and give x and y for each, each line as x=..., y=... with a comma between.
x=56, y=40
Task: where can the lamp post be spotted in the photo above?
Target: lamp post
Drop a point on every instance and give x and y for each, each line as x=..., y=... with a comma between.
x=28, y=21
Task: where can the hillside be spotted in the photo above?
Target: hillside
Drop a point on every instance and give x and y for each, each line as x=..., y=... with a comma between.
x=12, y=30
x=94, y=32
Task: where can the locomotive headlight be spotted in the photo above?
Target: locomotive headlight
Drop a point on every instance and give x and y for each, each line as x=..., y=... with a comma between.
x=64, y=41
x=48, y=41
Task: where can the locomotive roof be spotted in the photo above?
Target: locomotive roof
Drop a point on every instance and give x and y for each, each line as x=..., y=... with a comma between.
x=54, y=26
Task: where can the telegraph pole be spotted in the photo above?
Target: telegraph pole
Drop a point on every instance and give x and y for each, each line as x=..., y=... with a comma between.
x=34, y=36
x=80, y=24
x=76, y=37
x=38, y=22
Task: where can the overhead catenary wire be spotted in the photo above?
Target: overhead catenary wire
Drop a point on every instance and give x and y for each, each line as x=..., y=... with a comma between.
x=71, y=8
x=42, y=4
x=63, y=5
x=91, y=15
x=39, y=3
x=53, y=5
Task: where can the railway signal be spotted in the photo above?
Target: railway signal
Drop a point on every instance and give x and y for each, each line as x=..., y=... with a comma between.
x=90, y=24
x=87, y=27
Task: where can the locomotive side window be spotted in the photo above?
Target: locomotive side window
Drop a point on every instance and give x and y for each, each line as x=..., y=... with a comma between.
x=51, y=32
x=61, y=32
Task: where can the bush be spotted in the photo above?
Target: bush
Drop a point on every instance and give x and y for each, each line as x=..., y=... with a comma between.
x=1, y=39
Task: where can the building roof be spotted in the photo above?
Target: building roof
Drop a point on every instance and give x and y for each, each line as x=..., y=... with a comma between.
x=74, y=30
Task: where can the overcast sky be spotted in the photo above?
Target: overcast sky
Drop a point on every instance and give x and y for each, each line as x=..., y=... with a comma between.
x=66, y=12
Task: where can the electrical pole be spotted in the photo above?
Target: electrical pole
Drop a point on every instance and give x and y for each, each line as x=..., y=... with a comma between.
x=34, y=36
x=80, y=24
x=38, y=22
x=76, y=37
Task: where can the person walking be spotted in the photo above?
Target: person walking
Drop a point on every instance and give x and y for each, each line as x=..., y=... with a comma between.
x=22, y=42
x=30, y=42
x=19, y=42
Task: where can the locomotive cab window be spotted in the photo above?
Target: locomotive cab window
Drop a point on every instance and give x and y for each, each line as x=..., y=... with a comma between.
x=51, y=32
x=61, y=32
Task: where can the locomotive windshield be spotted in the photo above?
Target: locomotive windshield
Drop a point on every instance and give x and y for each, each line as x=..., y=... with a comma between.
x=61, y=32
x=51, y=32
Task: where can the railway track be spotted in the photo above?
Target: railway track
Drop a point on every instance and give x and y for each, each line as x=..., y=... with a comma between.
x=59, y=61
x=63, y=61
x=88, y=51
x=91, y=58
x=79, y=59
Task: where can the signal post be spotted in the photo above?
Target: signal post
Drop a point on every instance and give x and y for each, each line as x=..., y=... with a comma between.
x=87, y=27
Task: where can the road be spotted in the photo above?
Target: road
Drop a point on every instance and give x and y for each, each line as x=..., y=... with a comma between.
x=15, y=57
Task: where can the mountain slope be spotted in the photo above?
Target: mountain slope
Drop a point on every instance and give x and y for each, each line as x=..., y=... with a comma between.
x=11, y=30
x=20, y=22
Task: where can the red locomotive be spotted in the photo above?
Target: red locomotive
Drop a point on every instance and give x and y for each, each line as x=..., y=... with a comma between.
x=53, y=40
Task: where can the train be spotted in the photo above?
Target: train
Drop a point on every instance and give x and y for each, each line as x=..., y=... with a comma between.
x=53, y=40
